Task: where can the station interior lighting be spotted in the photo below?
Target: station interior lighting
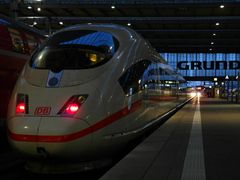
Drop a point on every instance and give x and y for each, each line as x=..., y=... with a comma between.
x=212, y=42
x=61, y=23
x=222, y=6
x=214, y=34
x=217, y=23
x=113, y=7
x=129, y=24
x=29, y=7
x=39, y=9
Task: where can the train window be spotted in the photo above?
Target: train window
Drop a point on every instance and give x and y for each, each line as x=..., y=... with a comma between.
x=135, y=77
x=16, y=40
x=32, y=43
x=79, y=49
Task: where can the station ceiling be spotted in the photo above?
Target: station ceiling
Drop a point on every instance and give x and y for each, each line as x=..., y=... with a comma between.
x=169, y=25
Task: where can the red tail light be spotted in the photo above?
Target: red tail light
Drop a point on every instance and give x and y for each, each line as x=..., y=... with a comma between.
x=72, y=106
x=20, y=108
x=22, y=104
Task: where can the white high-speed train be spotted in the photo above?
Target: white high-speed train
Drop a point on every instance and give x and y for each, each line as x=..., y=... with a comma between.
x=85, y=93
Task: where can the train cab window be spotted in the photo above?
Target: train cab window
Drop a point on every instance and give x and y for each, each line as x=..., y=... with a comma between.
x=132, y=81
x=32, y=43
x=17, y=40
x=78, y=49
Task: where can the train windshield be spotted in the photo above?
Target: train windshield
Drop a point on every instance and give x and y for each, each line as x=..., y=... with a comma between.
x=79, y=49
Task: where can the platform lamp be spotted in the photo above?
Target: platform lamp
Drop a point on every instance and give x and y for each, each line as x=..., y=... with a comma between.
x=215, y=84
x=226, y=79
x=237, y=78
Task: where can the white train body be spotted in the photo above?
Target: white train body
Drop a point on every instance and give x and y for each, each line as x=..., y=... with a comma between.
x=87, y=91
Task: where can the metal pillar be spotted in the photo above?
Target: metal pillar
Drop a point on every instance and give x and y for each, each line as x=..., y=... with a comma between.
x=48, y=25
x=237, y=95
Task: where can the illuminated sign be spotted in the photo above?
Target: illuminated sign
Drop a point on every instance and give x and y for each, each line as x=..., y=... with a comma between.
x=208, y=65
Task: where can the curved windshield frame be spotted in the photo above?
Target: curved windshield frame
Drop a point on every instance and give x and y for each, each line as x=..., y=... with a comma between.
x=78, y=49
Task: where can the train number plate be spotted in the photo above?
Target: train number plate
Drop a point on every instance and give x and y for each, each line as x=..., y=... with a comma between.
x=42, y=111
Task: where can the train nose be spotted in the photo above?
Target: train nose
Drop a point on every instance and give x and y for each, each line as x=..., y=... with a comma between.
x=23, y=132
x=49, y=136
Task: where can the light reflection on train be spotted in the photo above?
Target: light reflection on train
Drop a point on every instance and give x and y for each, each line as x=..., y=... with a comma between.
x=86, y=93
x=16, y=44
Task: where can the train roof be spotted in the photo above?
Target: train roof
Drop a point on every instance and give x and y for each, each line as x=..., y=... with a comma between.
x=114, y=28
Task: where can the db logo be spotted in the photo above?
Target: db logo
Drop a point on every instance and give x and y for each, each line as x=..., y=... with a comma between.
x=42, y=111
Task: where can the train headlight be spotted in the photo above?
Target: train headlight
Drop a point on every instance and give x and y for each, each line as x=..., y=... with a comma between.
x=193, y=94
x=72, y=106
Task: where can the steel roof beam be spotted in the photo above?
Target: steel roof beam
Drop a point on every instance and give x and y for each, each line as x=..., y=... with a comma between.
x=186, y=40
x=168, y=31
x=170, y=20
x=127, y=2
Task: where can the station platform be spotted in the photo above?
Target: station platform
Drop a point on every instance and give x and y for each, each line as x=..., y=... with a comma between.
x=201, y=141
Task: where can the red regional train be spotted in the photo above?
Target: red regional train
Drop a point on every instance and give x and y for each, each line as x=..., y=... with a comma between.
x=17, y=42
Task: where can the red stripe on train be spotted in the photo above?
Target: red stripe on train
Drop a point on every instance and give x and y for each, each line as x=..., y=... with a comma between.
x=69, y=137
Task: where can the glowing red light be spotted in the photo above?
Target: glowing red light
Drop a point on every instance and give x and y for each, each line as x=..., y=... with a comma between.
x=20, y=108
x=72, y=108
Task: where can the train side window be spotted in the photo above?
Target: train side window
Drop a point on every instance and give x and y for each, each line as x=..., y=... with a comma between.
x=17, y=40
x=32, y=43
x=134, y=76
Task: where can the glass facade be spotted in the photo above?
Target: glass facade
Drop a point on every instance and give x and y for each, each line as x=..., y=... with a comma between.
x=202, y=68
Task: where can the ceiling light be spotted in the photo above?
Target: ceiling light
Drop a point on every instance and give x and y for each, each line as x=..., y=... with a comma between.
x=112, y=7
x=217, y=23
x=210, y=49
x=129, y=24
x=212, y=42
x=29, y=7
x=34, y=23
x=214, y=34
x=39, y=9
x=222, y=6
x=61, y=23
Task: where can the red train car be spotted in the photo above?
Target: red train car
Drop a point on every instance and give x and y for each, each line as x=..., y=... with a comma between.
x=17, y=42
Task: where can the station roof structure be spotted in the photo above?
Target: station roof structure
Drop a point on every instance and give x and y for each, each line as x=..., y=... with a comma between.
x=170, y=25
